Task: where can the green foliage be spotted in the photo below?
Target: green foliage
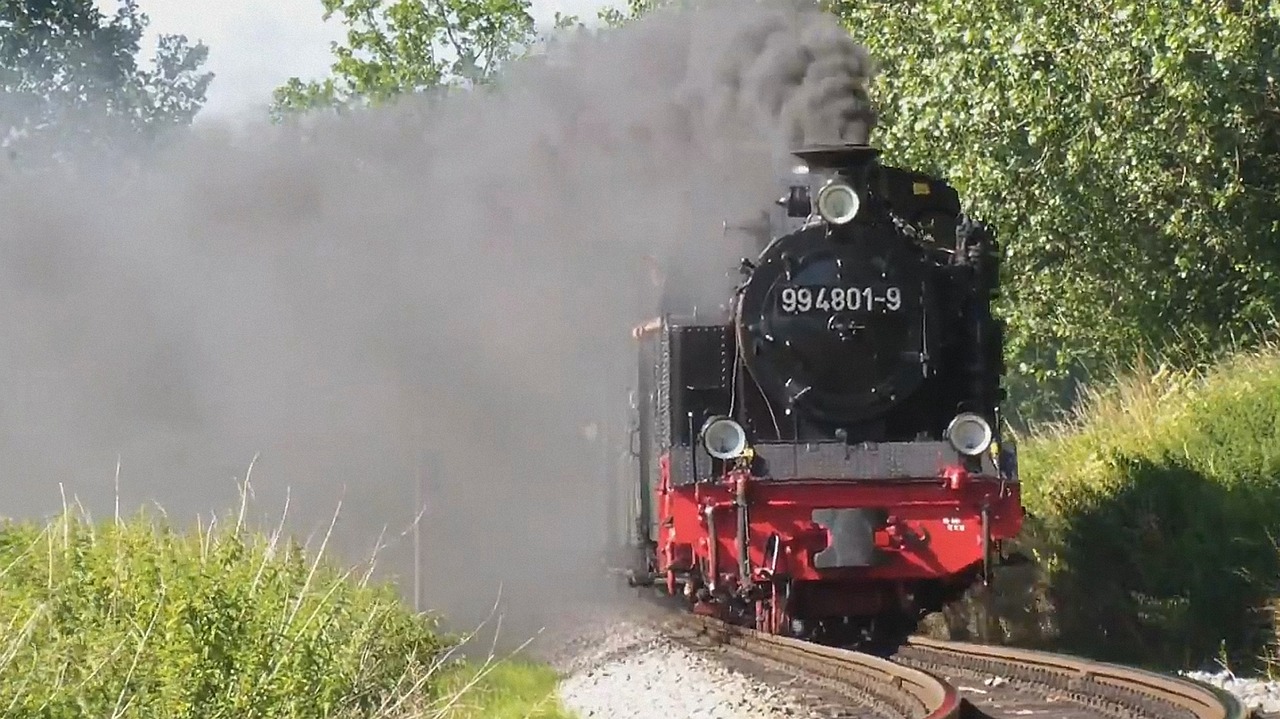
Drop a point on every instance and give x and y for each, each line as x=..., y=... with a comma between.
x=1129, y=153
x=395, y=47
x=635, y=9
x=1156, y=510
x=512, y=689
x=135, y=620
x=68, y=72
x=617, y=17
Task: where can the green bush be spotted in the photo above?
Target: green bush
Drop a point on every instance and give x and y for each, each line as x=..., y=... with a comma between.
x=131, y=619
x=1155, y=510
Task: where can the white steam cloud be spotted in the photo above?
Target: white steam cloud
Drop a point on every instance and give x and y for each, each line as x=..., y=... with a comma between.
x=445, y=290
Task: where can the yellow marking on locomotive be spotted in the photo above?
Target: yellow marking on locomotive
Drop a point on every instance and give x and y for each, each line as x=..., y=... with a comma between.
x=920, y=188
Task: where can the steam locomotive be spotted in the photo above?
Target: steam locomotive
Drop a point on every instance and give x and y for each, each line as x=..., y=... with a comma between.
x=827, y=455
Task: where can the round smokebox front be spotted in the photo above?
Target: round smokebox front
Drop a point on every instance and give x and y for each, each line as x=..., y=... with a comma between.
x=833, y=323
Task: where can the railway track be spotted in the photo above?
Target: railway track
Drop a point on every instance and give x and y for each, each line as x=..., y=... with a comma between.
x=869, y=685
x=1004, y=682
x=930, y=679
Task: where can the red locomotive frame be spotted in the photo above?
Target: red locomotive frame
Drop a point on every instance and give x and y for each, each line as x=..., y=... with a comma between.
x=941, y=534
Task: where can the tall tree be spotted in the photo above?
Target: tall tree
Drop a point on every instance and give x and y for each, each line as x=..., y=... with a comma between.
x=70, y=78
x=1128, y=151
x=395, y=47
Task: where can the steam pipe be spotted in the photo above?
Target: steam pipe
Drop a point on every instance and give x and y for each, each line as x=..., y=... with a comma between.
x=777, y=548
x=693, y=449
x=986, y=543
x=744, y=562
x=713, y=551
x=971, y=247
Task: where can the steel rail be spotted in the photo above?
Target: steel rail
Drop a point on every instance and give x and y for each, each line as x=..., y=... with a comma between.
x=912, y=682
x=910, y=692
x=1126, y=691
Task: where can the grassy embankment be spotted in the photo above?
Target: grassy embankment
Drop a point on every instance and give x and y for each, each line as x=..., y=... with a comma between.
x=1156, y=509
x=133, y=619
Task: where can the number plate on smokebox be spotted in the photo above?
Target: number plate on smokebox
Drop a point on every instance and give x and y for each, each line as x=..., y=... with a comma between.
x=794, y=300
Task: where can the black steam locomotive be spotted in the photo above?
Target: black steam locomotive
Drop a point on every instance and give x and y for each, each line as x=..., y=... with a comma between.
x=844, y=419
x=868, y=321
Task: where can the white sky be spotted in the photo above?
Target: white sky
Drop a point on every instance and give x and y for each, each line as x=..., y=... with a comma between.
x=255, y=45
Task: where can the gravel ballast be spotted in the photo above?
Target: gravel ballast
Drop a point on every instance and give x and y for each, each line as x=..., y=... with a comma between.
x=632, y=672
x=617, y=664
x=1257, y=694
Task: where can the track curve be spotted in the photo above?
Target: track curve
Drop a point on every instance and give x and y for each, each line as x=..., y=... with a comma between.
x=870, y=684
x=1045, y=684
x=962, y=680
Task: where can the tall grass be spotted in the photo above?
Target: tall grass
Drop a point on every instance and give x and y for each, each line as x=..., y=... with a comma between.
x=1155, y=507
x=1162, y=499
x=130, y=618
x=1220, y=418
x=509, y=689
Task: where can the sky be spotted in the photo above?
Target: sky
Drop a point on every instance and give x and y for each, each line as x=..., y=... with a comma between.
x=256, y=45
